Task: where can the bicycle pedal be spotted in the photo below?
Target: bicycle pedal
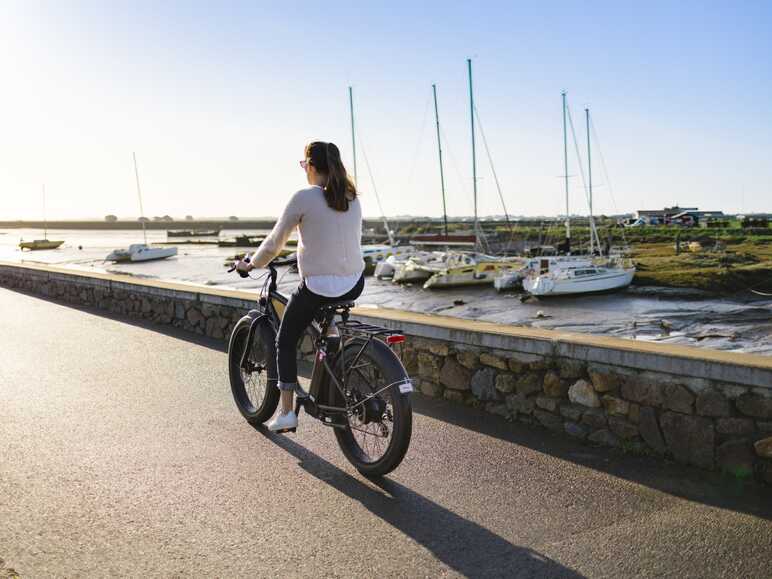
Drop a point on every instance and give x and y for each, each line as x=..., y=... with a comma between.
x=285, y=430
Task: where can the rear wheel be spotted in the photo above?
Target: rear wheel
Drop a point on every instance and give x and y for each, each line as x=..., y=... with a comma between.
x=380, y=420
x=253, y=385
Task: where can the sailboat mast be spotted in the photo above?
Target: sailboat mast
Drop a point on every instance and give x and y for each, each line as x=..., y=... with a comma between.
x=474, y=154
x=45, y=220
x=589, y=180
x=439, y=150
x=565, y=171
x=353, y=137
x=139, y=194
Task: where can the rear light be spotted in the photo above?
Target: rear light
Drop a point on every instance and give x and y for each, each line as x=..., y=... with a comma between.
x=395, y=339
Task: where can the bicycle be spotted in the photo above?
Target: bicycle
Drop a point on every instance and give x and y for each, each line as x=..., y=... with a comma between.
x=359, y=386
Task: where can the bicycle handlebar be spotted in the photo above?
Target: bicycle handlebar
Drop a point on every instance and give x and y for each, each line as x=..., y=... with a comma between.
x=274, y=263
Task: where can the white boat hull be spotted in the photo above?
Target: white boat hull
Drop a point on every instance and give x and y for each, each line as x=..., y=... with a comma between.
x=548, y=285
x=139, y=252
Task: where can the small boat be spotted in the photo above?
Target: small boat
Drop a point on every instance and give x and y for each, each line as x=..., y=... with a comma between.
x=421, y=267
x=193, y=233
x=395, y=265
x=572, y=279
x=374, y=254
x=39, y=244
x=474, y=270
x=140, y=252
x=44, y=243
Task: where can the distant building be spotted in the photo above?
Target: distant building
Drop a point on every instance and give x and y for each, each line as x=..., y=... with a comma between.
x=111, y=218
x=661, y=216
x=695, y=217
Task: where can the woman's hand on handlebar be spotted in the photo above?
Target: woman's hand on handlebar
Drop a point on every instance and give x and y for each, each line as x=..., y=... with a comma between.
x=244, y=265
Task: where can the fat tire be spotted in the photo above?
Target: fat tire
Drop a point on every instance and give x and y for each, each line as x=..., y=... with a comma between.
x=393, y=372
x=263, y=333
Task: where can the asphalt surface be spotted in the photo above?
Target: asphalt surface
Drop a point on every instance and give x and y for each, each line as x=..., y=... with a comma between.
x=122, y=454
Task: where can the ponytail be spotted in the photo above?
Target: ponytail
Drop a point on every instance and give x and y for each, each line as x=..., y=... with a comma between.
x=339, y=190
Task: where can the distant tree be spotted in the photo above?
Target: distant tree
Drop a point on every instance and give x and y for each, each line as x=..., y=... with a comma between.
x=167, y=218
x=188, y=218
x=111, y=218
x=157, y=218
x=233, y=218
x=143, y=220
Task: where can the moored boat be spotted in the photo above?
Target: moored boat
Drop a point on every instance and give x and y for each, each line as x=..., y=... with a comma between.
x=39, y=244
x=138, y=252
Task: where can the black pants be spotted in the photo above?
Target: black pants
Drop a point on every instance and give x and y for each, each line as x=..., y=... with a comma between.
x=301, y=309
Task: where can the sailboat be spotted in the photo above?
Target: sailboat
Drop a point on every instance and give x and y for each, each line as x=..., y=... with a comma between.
x=582, y=274
x=44, y=243
x=140, y=251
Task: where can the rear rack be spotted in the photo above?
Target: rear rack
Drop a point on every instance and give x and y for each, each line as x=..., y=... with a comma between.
x=356, y=327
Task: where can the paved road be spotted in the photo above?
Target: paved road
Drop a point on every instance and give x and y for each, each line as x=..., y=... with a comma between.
x=121, y=453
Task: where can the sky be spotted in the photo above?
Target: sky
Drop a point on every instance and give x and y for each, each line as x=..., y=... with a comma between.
x=218, y=99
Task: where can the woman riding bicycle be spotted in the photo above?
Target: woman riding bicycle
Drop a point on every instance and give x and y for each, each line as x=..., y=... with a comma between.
x=329, y=221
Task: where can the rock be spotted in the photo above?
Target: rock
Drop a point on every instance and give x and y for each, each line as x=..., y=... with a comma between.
x=468, y=359
x=689, y=438
x=497, y=409
x=506, y=383
x=583, y=393
x=516, y=367
x=622, y=428
x=549, y=420
x=575, y=430
x=615, y=406
x=146, y=306
x=547, y=403
x=455, y=376
x=736, y=457
x=678, y=398
x=764, y=447
x=604, y=437
x=194, y=316
x=453, y=395
x=634, y=413
x=430, y=389
x=571, y=369
x=179, y=311
x=439, y=349
x=644, y=393
x=604, y=381
x=521, y=404
x=493, y=361
x=595, y=418
x=530, y=383
x=712, y=403
x=428, y=366
x=553, y=386
x=754, y=405
x=737, y=426
x=764, y=426
x=572, y=411
x=649, y=429
x=484, y=384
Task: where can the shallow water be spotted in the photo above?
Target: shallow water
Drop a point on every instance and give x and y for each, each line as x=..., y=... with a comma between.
x=740, y=324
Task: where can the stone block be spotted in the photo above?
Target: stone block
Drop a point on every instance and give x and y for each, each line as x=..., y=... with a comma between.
x=521, y=404
x=764, y=426
x=572, y=411
x=571, y=369
x=649, y=429
x=506, y=383
x=428, y=366
x=595, y=418
x=754, y=405
x=439, y=348
x=194, y=317
x=690, y=438
x=498, y=409
x=549, y=420
x=605, y=438
x=634, y=413
x=179, y=311
x=484, y=384
x=735, y=426
x=430, y=389
x=553, y=386
x=615, y=406
x=468, y=359
x=764, y=447
x=605, y=381
x=575, y=430
x=583, y=393
x=529, y=383
x=622, y=428
x=493, y=361
x=547, y=403
x=736, y=458
x=644, y=393
x=455, y=376
x=712, y=403
x=453, y=396
x=678, y=398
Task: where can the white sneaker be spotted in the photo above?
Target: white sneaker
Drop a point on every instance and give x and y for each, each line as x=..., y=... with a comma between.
x=284, y=423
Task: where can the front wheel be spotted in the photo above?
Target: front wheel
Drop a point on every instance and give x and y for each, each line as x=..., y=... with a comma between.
x=380, y=416
x=254, y=384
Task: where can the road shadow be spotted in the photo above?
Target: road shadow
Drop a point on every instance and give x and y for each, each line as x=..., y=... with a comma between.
x=710, y=488
x=459, y=543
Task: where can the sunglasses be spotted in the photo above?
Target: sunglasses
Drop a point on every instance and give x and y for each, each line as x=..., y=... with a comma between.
x=304, y=164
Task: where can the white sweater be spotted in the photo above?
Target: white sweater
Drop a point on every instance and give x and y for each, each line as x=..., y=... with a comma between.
x=329, y=241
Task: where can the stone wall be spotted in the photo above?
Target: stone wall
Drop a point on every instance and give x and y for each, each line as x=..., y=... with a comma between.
x=709, y=409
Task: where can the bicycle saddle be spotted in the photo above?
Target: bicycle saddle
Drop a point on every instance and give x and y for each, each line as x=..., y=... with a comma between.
x=335, y=306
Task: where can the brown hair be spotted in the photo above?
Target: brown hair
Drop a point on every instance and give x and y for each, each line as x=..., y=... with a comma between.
x=340, y=190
